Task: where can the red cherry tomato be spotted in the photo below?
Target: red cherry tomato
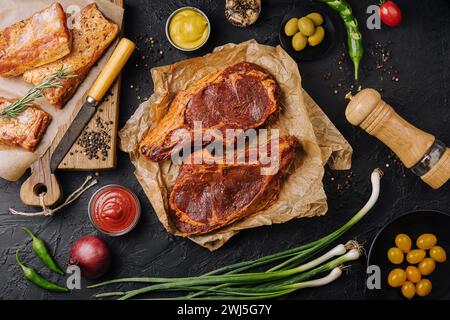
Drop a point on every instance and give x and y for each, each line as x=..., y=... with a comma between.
x=390, y=14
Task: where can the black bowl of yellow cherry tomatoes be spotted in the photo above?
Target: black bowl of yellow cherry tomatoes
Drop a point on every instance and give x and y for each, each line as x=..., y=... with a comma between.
x=309, y=31
x=411, y=253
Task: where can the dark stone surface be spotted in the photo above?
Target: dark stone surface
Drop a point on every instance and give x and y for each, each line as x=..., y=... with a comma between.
x=420, y=52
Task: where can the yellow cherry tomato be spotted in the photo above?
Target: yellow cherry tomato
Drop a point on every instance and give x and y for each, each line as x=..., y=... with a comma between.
x=415, y=256
x=413, y=274
x=426, y=241
x=395, y=255
x=437, y=253
x=396, y=278
x=403, y=242
x=427, y=266
x=408, y=290
x=423, y=288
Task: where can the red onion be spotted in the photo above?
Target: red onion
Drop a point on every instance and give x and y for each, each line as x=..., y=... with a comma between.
x=92, y=255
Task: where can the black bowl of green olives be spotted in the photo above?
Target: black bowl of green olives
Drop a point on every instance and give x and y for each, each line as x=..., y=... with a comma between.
x=309, y=31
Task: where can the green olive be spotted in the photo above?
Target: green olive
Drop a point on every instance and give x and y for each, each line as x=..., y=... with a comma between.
x=306, y=26
x=291, y=27
x=299, y=41
x=316, y=18
x=317, y=37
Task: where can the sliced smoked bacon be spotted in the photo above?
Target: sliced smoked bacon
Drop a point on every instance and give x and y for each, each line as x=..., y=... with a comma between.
x=38, y=40
x=92, y=35
x=206, y=197
x=242, y=96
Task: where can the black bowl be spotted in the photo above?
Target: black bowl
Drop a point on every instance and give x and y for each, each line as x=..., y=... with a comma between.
x=331, y=24
x=413, y=224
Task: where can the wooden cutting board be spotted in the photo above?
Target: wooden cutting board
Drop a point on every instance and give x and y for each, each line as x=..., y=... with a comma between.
x=108, y=112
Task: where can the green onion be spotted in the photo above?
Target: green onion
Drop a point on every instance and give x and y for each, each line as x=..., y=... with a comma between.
x=238, y=295
x=275, y=281
x=351, y=255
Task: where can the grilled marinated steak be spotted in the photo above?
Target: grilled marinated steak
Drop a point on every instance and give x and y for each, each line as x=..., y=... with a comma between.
x=242, y=96
x=206, y=197
x=92, y=34
x=38, y=40
x=26, y=130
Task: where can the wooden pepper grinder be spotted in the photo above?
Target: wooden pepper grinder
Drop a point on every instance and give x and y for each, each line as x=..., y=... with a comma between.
x=420, y=151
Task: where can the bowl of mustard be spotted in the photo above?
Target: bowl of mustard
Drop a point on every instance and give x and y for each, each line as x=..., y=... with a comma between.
x=188, y=28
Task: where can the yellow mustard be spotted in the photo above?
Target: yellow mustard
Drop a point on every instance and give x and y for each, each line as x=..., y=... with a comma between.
x=188, y=29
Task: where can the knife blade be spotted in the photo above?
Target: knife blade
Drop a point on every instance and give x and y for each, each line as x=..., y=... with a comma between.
x=110, y=72
x=83, y=117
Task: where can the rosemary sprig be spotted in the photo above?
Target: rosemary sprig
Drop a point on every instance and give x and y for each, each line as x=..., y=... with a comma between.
x=53, y=81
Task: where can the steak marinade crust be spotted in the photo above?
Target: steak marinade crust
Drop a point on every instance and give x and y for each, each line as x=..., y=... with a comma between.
x=242, y=96
x=206, y=197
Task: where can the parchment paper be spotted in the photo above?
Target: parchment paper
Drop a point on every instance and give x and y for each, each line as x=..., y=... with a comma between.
x=15, y=161
x=302, y=194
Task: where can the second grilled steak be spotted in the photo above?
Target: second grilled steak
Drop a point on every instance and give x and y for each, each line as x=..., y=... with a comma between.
x=206, y=197
x=92, y=34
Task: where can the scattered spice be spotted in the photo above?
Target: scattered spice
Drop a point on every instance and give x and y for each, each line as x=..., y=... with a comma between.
x=342, y=58
x=381, y=55
x=378, y=63
x=95, y=143
x=340, y=181
x=392, y=163
x=152, y=50
x=106, y=97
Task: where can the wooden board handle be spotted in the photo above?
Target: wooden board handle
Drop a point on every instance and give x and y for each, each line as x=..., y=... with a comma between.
x=110, y=72
x=367, y=110
x=41, y=180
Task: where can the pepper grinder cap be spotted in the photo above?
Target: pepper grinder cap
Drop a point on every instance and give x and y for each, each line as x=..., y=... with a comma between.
x=361, y=105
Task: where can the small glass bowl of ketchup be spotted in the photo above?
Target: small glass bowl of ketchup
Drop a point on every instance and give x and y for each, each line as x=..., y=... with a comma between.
x=114, y=210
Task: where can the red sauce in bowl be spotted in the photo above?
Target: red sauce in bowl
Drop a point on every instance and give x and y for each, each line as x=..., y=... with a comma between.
x=114, y=210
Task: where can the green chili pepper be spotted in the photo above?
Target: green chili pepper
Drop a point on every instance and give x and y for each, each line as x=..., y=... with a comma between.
x=42, y=252
x=354, y=37
x=33, y=276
